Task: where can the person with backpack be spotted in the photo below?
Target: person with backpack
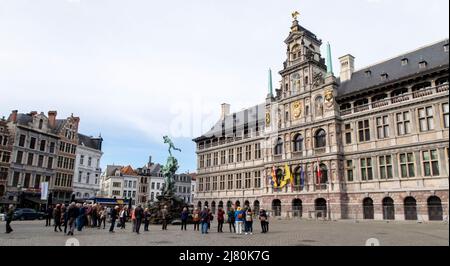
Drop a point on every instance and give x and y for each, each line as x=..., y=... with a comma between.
x=239, y=217
x=204, y=220
x=231, y=220
x=249, y=221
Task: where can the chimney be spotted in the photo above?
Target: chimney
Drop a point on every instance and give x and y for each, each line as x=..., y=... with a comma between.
x=149, y=160
x=52, y=118
x=33, y=113
x=225, y=110
x=347, y=67
x=13, y=116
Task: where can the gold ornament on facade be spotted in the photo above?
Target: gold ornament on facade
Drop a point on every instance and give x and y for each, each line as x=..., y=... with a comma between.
x=267, y=118
x=329, y=98
x=295, y=14
x=297, y=109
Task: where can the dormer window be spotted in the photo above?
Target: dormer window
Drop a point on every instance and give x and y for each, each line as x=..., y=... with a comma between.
x=384, y=76
x=423, y=64
x=446, y=47
x=368, y=73
x=404, y=61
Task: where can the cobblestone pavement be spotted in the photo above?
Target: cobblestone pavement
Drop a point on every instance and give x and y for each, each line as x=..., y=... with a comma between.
x=282, y=232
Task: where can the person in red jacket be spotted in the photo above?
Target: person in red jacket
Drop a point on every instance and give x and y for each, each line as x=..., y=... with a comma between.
x=220, y=220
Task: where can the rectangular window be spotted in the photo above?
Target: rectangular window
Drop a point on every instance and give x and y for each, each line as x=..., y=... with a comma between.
x=81, y=159
x=214, y=183
x=366, y=169
x=257, y=179
x=80, y=174
x=231, y=156
x=37, y=181
x=202, y=161
x=248, y=152
x=208, y=160
x=89, y=161
x=222, y=182
x=153, y=185
x=426, y=122
x=239, y=155
x=403, y=123
x=208, y=184
x=200, y=184
x=239, y=181
x=407, y=165
x=40, y=160
x=223, y=157
x=30, y=159
x=16, y=178
x=158, y=185
x=19, y=157
x=62, y=146
x=32, y=143
x=229, y=182
x=88, y=176
x=52, y=147
x=349, y=170
x=445, y=114
x=42, y=146
x=382, y=127
x=257, y=151
x=216, y=159
x=348, y=134
x=50, y=163
x=385, y=164
x=430, y=163
x=22, y=141
x=248, y=180
x=364, y=130
x=26, y=182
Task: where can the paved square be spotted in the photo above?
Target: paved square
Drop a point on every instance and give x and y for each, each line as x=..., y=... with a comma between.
x=282, y=232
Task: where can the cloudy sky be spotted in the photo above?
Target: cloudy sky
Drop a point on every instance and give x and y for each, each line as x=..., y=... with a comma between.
x=137, y=70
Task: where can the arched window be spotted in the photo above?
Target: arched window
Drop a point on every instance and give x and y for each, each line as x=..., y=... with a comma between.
x=279, y=146
x=279, y=176
x=318, y=106
x=276, y=207
x=86, y=195
x=206, y=204
x=321, y=176
x=297, y=207
x=441, y=81
x=368, y=211
x=256, y=206
x=220, y=204
x=320, y=138
x=41, y=123
x=213, y=207
x=246, y=203
x=320, y=206
x=229, y=205
x=388, y=209
x=299, y=178
x=410, y=207
x=298, y=142
x=435, y=212
x=199, y=204
x=237, y=204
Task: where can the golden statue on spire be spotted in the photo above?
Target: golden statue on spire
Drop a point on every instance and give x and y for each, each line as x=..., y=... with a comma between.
x=295, y=14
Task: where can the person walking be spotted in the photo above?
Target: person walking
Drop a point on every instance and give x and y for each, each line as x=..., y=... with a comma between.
x=103, y=214
x=113, y=218
x=263, y=219
x=64, y=217
x=138, y=214
x=211, y=218
x=95, y=214
x=220, y=220
x=249, y=221
x=9, y=217
x=184, y=218
x=133, y=220
x=146, y=219
x=122, y=217
x=48, y=216
x=196, y=219
x=57, y=217
x=239, y=217
x=72, y=214
x=164, y=217
x=204, y=220
x=231, y=220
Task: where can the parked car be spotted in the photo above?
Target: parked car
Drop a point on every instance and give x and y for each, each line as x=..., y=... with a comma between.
x=27, y=214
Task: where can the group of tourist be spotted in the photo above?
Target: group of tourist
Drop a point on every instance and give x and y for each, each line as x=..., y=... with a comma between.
x=78, y=215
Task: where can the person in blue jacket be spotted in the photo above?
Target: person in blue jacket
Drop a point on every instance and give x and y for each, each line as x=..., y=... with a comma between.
x=239, y=218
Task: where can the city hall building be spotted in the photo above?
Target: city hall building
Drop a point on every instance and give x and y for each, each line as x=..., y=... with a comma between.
x=369, y=144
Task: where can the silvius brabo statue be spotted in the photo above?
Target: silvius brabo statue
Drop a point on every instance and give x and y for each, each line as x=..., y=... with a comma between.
x=168, y=200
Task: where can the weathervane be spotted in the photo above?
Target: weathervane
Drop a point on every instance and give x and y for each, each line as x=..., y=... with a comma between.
x=295, y=14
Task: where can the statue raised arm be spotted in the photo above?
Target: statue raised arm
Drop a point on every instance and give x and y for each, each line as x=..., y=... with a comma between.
x=171, y=145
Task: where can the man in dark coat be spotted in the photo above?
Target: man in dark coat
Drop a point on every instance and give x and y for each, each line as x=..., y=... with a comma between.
x=9, y=217
x=138, y=214
x=113, y=218
x=49, y=216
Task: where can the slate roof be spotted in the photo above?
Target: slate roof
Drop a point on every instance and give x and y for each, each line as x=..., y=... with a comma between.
x=90, y=142
x=434, y=55
x=251, y=116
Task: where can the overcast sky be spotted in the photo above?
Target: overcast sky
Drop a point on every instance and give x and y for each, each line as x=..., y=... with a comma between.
x=137, y=70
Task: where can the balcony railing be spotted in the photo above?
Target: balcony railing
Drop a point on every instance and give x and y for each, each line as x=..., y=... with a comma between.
x=396, y=99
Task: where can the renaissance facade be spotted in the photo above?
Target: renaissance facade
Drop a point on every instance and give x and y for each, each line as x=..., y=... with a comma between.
x=369, y=144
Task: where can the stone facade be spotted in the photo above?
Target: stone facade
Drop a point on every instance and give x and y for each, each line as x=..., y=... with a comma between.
x=5, y=155
x=372, y=144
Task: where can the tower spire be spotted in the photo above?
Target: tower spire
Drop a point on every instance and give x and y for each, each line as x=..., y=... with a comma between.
x=270, y=83
x=329, y=60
